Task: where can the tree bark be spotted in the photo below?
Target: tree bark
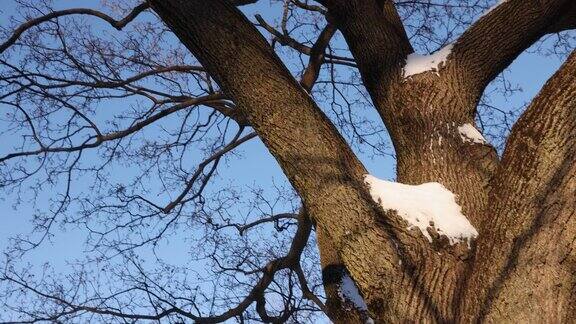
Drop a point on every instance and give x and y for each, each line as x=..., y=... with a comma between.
x=401, y=276
x=510, y=28
x=388, y=263
x=422, y=113
x=525, y=264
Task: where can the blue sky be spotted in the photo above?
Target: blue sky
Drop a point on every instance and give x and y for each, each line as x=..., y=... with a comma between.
x=256, y=168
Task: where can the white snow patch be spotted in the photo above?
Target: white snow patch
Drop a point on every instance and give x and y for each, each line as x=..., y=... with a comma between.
x=499, y=2
x=349, y=292
x=416, y=63
x=469, y=133
x=426, y=205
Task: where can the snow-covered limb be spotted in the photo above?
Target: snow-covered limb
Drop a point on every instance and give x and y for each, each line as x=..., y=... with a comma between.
x=417, y=63
x=426, y=205
x=348, y=292
x=469, y=133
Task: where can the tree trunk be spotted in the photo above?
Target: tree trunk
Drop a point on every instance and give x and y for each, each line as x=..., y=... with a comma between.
x=525, y=264
x=401, y=276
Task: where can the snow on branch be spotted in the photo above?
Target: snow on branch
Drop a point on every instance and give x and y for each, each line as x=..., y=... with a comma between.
x=417, y=63
x=469, y=133
x=426, y=205
x=348, y=292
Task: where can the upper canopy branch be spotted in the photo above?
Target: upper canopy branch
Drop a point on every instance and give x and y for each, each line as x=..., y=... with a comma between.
x=118, y=24
x=375, y=34
x=96, y=140
x=510, y=27
x=319, y=46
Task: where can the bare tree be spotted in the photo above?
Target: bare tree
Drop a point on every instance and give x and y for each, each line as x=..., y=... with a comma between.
x=82, y=102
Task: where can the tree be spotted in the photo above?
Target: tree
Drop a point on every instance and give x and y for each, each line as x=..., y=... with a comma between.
x=516, y=265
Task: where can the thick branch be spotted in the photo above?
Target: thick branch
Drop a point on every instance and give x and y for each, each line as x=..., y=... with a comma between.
x=566, y=22
x=375, y=35
x=315, y=158
x=436, y=103
x=527, y=256
x=510, y=28
x=308, y=147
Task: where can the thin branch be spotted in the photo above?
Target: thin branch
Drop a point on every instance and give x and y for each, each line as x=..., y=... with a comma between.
x=286, y=40
x=118, y=24
x=317, y=54
x=236, y=141
x=98, y=140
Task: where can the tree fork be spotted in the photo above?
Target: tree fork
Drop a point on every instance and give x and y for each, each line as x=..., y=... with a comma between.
x=422, y=113
x=388, y=262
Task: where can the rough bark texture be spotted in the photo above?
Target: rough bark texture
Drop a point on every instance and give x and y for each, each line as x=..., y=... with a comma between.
x=526, y=234
x=422, y=113
x=524, y=268
x=311, y=152
x=510, y=28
